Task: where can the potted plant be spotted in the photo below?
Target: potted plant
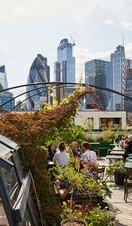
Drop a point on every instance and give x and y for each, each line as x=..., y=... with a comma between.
x=117, y=169
x=96, y=216
x=86, y=191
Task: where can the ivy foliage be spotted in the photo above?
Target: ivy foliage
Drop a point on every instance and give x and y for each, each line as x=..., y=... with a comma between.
x=32, y=131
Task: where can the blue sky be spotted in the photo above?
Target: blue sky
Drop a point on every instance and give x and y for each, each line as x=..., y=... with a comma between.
x=37, y=26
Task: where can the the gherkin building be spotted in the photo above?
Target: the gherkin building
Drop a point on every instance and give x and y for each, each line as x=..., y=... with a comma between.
x=37, y=94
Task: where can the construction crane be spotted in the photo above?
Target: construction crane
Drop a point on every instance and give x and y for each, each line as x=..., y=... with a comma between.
x=72, y=41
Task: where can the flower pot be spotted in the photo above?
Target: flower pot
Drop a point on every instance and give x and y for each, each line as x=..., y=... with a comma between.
x=75, y=222
x=119, y=178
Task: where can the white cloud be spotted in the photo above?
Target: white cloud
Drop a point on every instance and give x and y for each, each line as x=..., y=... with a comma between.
x=83, y=55
x=109, y=22
x=37, y=26
x=127, y=25
x=128, y=49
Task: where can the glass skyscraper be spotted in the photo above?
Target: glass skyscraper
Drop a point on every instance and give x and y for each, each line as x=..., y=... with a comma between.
x=118, y=77
x=5, y=96
x=65, y=65
x=128, y=90
x=97, y=72
x=3, y=78
x=39, y=73
x=66, y=60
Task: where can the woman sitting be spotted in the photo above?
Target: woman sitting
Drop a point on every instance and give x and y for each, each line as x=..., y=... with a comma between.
x=61, y=157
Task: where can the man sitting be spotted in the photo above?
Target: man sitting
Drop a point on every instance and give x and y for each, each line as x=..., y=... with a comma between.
x=88, y=157
x=76, y=151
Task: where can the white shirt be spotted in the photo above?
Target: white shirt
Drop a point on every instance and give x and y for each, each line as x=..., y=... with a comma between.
x=61, y=158
x=89, y=156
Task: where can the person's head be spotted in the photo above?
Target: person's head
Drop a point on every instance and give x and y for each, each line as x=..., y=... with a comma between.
x=74, y=146
x=62, y=146
x=85, y=146
x=51, y=148
x=130, y=137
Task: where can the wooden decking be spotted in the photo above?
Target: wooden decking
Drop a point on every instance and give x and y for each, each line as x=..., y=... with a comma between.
x=117, y=204
x=122, y=210
x=3, y=219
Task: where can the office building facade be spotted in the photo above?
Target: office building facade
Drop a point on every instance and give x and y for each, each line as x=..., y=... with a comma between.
x=64, y=68
x=39, y=73
x=118, y=77
x=128, y=90
x=97, y=72
x=7, y=101
x=3, y=77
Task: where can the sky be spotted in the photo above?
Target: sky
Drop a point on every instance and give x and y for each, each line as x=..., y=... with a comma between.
x=31, y=27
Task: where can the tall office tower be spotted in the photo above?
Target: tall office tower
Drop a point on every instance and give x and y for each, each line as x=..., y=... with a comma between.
x=3, y=78
x=5, y=96
x=65, y=65
x=128, y=90
x=118, y=77
x=97, y=72
x=39, y=73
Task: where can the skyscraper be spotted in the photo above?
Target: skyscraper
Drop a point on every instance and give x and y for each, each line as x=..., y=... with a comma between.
x=66, y=60
x=128, y=90
x=3, y=78
x=39, y=72
x=65, y=65
x=5, y=96
x=118, y=77
x=97, y=72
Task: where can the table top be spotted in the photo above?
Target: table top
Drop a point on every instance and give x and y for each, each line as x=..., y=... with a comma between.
x=128, y=165
x=114, y=157
x=117, y=152
x=50, y=163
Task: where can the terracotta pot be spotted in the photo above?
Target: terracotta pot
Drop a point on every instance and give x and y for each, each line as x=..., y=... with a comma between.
x=75, y=222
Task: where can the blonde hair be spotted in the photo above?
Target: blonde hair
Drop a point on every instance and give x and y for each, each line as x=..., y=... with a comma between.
x=130, y=137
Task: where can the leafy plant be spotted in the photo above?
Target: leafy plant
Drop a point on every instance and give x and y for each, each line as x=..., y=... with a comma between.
x=101, y=217
x=117, y=166
x=34, y=130
x=94, y=217
x=111, y=133
x=86, y=192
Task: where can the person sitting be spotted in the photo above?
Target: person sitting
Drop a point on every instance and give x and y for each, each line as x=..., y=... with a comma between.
x=63, y=191
x=127, y=146
x=76, y=151
x=61, y=157
x=88, y=157
x=51, y=152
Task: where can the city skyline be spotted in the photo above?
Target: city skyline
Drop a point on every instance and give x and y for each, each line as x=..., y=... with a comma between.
x=33, y=27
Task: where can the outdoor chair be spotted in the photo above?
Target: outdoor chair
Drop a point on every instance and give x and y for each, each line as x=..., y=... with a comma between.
x=108, y=151
x=97, y=152
x=127, y=184
x=101, y=171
